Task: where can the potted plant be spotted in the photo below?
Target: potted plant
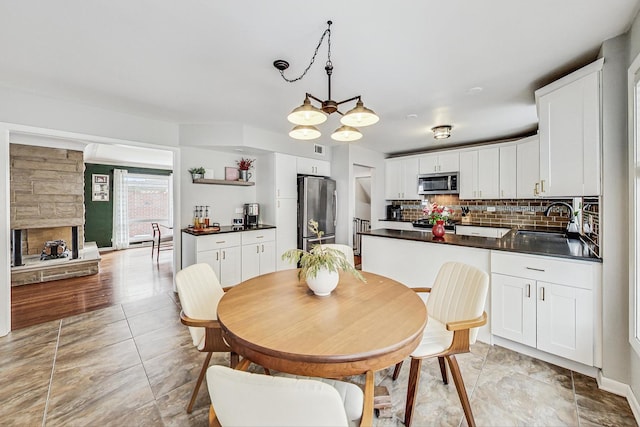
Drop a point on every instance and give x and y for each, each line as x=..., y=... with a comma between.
x=321, y=265
x=197, y=173
x=244, y=165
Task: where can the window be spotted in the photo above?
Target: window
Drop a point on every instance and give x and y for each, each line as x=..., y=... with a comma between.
x=634, y=178
x=149, y=200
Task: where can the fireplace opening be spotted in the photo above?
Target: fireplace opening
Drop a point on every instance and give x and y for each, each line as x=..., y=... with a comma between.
x=29, y=243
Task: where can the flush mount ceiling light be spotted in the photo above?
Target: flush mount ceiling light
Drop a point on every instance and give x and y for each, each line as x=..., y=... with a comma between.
x=307, y=116
x=441, y=132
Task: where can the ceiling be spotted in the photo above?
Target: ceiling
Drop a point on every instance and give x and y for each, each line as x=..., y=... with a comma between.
x=417, y=63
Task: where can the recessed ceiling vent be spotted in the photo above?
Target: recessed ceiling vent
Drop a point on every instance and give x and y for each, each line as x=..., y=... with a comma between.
x=318, y=149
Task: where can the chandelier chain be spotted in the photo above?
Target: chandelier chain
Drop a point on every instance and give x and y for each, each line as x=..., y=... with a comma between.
x=315, y=53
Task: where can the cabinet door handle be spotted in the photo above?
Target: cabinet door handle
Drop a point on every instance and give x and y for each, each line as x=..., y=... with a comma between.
x=259, y=237
x=221, y=241
x=535, y=190
x=278, y=193
x=535, y=269
x=542, y=185
x=528, y=290
x=224, y=255
x=542, y=293
x=217, y=256
x=278, y=203
x=262, y=248
x=257, y=249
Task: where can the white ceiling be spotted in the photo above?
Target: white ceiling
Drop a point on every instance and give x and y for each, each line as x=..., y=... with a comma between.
x=204, y=61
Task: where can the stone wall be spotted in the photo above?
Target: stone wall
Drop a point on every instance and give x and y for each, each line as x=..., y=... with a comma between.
x=46, y=192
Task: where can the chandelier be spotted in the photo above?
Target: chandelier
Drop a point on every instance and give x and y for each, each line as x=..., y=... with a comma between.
x=307, y=116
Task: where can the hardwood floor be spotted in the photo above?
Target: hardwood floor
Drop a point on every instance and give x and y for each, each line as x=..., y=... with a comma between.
x=124, y=276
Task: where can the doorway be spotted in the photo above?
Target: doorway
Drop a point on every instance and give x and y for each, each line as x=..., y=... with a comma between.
x=362, y=206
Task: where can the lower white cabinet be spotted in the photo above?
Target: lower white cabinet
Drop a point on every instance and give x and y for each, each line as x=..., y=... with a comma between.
x=220, y=251
x=258, y=253
x=545, y=303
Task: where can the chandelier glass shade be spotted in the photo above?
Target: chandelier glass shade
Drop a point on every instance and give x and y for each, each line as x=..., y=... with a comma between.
x=307, y=116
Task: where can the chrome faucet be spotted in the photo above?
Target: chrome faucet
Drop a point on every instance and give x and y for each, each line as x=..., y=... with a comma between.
x=547, y=212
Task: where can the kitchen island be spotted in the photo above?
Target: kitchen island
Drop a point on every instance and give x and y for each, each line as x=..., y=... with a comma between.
x=545, y=298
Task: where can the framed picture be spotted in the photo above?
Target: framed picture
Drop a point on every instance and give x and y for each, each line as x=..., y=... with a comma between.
x=100, y=188
x=231, y=174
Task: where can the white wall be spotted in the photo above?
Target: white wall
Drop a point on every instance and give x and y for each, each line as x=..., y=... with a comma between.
x=223, y=199
x=363, y=198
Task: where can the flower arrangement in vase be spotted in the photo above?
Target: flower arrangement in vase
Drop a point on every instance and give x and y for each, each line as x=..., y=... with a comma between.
x=320, y=266
x=437, y=216
x=244, y=165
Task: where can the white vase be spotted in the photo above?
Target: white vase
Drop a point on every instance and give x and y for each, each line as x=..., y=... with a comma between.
x=324, y=282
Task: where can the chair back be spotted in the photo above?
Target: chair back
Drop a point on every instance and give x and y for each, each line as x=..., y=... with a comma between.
x=346, y=250
x=199, y=291
x=244, y=399
x=458, y=293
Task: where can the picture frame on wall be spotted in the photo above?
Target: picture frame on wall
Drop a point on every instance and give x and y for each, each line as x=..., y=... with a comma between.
x=99, y=188
x=231, y=174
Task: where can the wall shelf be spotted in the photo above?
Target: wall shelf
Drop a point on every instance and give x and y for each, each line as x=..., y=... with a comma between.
x=223, y=182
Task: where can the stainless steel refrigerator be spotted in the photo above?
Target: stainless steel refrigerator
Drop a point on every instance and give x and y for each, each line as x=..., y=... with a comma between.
x=317, y=200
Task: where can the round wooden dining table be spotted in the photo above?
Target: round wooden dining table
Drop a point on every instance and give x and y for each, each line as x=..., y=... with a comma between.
x=274, y=320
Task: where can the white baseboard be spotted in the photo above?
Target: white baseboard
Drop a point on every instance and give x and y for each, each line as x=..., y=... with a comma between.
x=621, y=389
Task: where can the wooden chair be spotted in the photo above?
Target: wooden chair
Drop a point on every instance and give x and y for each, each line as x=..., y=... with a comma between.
x=160, y=242
x=244, y=399
x=346, y=250
x=456, y=310
x=200, y=291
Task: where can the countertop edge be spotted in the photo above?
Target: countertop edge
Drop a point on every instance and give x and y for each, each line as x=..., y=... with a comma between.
x=488, y=243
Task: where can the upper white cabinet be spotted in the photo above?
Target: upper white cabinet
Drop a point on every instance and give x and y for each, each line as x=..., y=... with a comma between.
x=480, y=173
x=285, y=176
x=508, y=172
x=440, y=162
x=401, y=179
x=528, y=168
x=306, y=166
x=569, y=130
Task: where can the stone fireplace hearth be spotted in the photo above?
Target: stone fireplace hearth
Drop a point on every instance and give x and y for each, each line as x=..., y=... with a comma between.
x=47, y=203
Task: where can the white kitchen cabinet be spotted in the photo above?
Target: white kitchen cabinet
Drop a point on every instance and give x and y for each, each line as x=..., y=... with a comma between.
x=508, y=173
x=569, y=130
x=401, y=179
x=528, y=168
x=220, y=251
x=440, y=162
x=306, y=166
x=258, y=253
x=285, y=176
x=546, y=303
x=480, y=173
x=286, y=231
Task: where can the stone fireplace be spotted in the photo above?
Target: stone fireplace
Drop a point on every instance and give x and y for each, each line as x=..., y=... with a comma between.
x=47, y=204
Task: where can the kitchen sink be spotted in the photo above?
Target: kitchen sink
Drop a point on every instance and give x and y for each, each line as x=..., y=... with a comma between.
x=542, y=234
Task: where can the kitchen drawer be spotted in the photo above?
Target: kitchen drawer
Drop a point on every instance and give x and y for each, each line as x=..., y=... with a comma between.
x=553, y=270
x=472, y=230
x=217, y=241
x=258, y=236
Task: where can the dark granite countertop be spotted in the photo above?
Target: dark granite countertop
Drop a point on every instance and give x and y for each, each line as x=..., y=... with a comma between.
x=511, y=242
x=225, y=229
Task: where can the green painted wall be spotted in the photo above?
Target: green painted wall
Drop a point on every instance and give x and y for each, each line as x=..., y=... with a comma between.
x=98, y=216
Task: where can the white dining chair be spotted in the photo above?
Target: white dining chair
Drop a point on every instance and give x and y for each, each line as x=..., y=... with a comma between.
x=455, y=310
x=241, y=398
x=345, y=249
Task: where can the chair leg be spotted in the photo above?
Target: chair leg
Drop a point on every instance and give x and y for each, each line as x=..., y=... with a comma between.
x=234, y=358
x=396, y=370
x=412, y=390
x=203, y=371
x=443, y=370
x=462, y=392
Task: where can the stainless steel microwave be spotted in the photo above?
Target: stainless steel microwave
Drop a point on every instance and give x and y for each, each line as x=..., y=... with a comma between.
x=438, y=183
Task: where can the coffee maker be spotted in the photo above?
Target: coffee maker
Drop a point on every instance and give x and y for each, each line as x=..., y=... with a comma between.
x=251, y=214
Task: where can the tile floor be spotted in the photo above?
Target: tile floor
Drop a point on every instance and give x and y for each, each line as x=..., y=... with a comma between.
x=133, y=364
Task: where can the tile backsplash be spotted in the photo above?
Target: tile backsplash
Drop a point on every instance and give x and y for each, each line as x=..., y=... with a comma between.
x=510, y=213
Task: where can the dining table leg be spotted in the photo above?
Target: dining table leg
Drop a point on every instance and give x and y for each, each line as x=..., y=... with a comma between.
x=367, y=408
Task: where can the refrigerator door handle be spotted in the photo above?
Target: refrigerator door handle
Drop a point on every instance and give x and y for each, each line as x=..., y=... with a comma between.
x=335, y=207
